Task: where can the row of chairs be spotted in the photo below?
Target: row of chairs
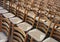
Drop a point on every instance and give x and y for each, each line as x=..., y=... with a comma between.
x=18, y=34
x=6, y=15
x=49, y=13
x=50, y=2
x=44, y=27
x=28, y=21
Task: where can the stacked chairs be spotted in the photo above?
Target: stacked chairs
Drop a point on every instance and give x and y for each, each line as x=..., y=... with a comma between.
x=5, y=29
x=54, y=35
x=17, y=35
x=41, y=30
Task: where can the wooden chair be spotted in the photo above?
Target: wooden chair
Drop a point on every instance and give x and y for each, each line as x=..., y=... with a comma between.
x=41, y=30
x=44, y=19
x=5, y=30
x=17, y=34
x=43, y=7
x=13, y=5
x=21, y=2
x=1, y=3
x=57, y=4
x=21, y=7
x=2, y=10
x=54, y=36
x=20, y=12
x=28, y=24
x=28, y=4
x=35, y=5
x=6, y=4
x=34, y=8
x=10, y=4
x=20, y=15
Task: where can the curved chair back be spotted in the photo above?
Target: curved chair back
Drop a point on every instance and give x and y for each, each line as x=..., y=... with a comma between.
x=55, y=33
x=5, y=26
x=18, y=35
x=40, y=25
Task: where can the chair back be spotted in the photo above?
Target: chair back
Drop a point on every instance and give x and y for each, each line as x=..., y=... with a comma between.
x=55, y=33
x=17, y=34
x=41, y=26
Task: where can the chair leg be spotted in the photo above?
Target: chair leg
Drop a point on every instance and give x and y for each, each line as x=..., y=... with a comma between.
x=31, y=40
x=0, y=23
x=0, y=26
x=26, y=38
